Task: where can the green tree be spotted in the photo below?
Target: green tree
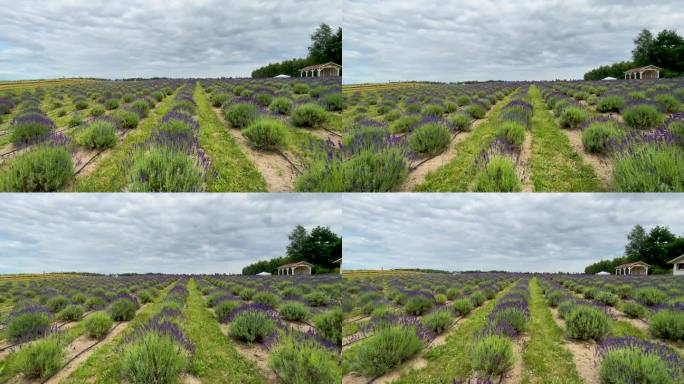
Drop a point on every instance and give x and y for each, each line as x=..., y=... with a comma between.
x=322, y=247
x=298, y=238
x=326, y=45
x=642, y=48
x=667, y=51
x=637, y=238
x=655, y=246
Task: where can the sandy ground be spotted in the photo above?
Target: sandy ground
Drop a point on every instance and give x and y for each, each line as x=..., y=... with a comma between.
x=258, y=355
x=514, y=376
x=418, y=174
x=275, y=169
x=326, y=135
x=601, y=164
x=583, y=354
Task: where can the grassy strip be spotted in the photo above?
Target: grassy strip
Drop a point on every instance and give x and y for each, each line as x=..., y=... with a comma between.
x=546, y=360
x=457, y=175
x=216, y=360
x=555, y=166
x=111, y=174
x=452, y=360
x=102, y=366
x=231, y=170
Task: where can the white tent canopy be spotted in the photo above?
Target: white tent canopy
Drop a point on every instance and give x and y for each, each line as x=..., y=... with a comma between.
x=281, y=76
x=609, y=78
x=263, y=274
x=603, y=273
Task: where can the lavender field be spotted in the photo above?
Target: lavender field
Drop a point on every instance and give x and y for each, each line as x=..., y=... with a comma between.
x=170, y=329
x=409, y=327
x=550, y=136
x=188, y=135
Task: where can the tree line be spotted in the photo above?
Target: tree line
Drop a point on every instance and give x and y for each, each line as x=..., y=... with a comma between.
x=656, y=248
x=326, y=46
x=665, y=50
x=320, y=247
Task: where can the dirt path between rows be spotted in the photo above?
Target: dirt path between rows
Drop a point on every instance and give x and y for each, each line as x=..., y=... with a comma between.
x=255, y=353
x=583, y=354
x=418, y=175
x=514, y=376
x=326, y=135
x=523, y=165
x=275, y=169
x=602, y=165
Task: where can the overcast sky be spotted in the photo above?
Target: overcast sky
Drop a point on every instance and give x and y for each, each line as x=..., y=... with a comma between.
x=513, y=232
x=455, y=40
x=125, y=38
x=188, y=233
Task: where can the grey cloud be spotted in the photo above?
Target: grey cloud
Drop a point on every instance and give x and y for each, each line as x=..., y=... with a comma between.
x=153, y=232
x=518, y=232
x=115, y=39
x=492, y=39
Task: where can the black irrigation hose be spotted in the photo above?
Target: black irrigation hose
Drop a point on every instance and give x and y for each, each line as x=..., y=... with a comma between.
x=292, y=164
x=333, y=132
x=414, y=167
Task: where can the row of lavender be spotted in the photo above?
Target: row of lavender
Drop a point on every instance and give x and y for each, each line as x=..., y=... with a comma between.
x=639, y=124
x=623, y=357
x=50, y=161
x=390, y=319
x=297, y=320
x=389, y=131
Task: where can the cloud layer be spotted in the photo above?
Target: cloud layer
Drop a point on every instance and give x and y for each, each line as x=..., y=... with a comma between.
x=514, y=232
x=457, y=40
x=186, y=233
x=116, y=39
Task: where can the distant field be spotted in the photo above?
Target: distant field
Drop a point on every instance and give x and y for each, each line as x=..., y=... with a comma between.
x=371, y=87
x=376, y=272
x=23, y=277
x=5, y=85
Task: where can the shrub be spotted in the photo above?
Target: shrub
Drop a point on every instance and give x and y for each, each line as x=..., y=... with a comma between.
x=247, y=293
x=573, y=117
x=153, y=358
x=463, y=101
x=42, y=359
x=440, y=299
x=564, y=308
x=266, y=133
x=317, y=298
x=128, y=119
x=215, y=298
x=477, y=298
x=650, y=296
x=98, y=325
x=610, y=104
x=636, y=95
x=642, y=116
x=633, y=310
x=475, y=111
x=511, y=131
x=28, y=325
x=122, y=310
x=95, y=302
x=418, y=305
x=667, y=324
x=265, y=298
x=97, y=110
x=308, y=115
x=80, y=104
x=57, y=303
x=251, y=326
x=241, y=114
x=71, y=313
x=264, y=98
x=98, y=134
x=165, y=170
x=460, y=121
x=142, y=106
x=429, y=138
x=597, y=136
x=607, y=298
x=453, y=293
x=281, y=105
x=649, y=168
x=434, y=110
x=498, y=175
x=223, y=310
x=586, y=322
x=438, y=321
x=297, y=362
x=75, y=120
x=29, y=128
x=329, y=325
x=668, y=103
x=403, y=123
x=462, y=307
x=386, y=349
x=111, y=104
x=300, y=89
x=632, y=365
x=333, y=102
x=217, y=99
x=492, y=356
x=294, y=311
x=554, y=298
x=515, y=317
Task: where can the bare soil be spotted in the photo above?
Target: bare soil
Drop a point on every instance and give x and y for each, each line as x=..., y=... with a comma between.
x=418, y=174
x=523, y=166
x=274, y=168
x=514, y=376
x=602, y=165
x=259, y=356
x=583, y=354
